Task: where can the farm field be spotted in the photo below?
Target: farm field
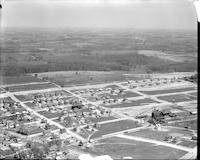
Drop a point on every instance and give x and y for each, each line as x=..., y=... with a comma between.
x=118, y=148
x=113, y=127
x=31, y=87
x=7, y=80
x=132, y=103
x=160, y=135
x=177, y=98
x=165, y=91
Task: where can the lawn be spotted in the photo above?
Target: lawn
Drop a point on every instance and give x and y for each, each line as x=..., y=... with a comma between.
x=6, y=80
x=118, y=148
x=132, y=103
x=177, y=98
x=31, y=87
x=113, y=127
x=174, y=90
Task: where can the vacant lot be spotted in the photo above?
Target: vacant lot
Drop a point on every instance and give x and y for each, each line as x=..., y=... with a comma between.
x=6, y=80
x=125, y=94
x=174, y=90
x=132, y=103
x=24, y=97
x=100, y=119
x=118, y=148
x=31, y=87
x=177, y=98
x=49, y=114
x=113, y=127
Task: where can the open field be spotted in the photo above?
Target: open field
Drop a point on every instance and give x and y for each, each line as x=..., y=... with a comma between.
x=100, y=119
x=132, y=103
x=113, y=127
x=166, y=56
x=31, y=87
x=177, y=98
x=7, y=80
x=193, y=94
x=126, y=94
x=49, y=114
x=173, y=90
x=186, y=124
x=30, y=97
x=164, y=132
x=24, y=97
x=118, y=148
x=70, y=78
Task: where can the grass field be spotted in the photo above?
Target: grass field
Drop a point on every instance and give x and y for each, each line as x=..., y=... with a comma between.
x=174, y=90
x=118, y=148
x=31, y=87
x=112, y=127
x=132, y=103
x=6, y=80
x=177, y=98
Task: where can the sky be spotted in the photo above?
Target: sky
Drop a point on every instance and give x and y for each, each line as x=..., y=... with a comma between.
x=139, y=14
